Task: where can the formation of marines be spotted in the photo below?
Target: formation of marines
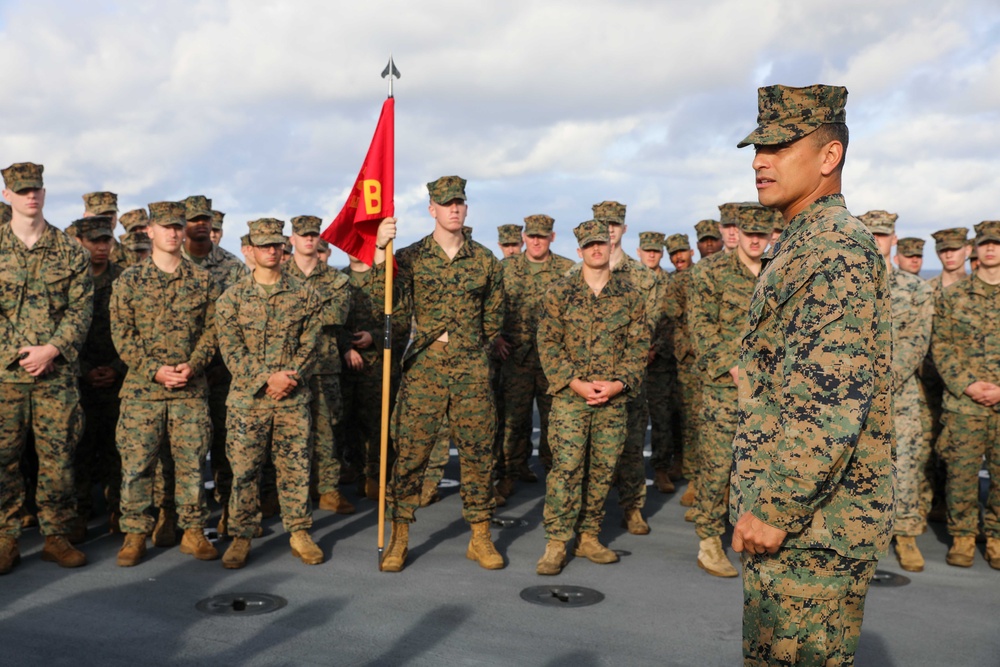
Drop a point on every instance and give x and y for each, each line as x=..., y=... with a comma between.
x=795, y=375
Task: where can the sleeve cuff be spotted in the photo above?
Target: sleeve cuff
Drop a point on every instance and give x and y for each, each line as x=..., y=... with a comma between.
x=778, y=510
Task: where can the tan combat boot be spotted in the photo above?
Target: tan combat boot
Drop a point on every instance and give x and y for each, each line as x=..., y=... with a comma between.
x=664, y=484
x=634, y=522
x=133, y=550
x=993, y=552
x=963, y=548
x=589, y=547
x=910, y=558
x=371, y=488
x=713, y=560
x=305, y=549
x=481, y=548
x=505, y=487
x=429, y=494
x=165, y=531
x=687, y=498
x=58, y=550
x=195, y=544
x=553, y=559
x=335, y=502
x=236, y=555
x=395, y=555
x=10, y=555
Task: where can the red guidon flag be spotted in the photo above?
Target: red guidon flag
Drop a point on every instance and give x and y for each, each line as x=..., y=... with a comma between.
x=371, y=199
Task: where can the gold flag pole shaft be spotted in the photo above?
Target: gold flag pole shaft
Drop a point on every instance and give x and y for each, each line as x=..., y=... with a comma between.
x=383, y=445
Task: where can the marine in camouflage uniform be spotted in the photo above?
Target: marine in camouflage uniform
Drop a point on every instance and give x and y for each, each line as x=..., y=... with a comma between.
x=721, y=289
x=526, y=278
x=455, y=286
x=910, y=255
x=46, y=304
x=593, y=344
x=912, y=315
x=133, y=221
x=137, y=245
x=269, y=327
x=509, y=240
x=162, y=324
x=812, y=484
x=966, y=349
x=102, y=203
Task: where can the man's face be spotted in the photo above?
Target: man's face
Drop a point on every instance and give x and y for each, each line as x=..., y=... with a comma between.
x=885, y=243
x=305, y=244
x=451, y=215
x=99, y=249
x=268, y=256
x=615, y=233
x=788, y=174
x=324, y=256
x=953, y=259
x=510, y=249
x=248, y=257
x=911, y=264
x=709, y=246
x=285, y=254
x=537, y=246
x=166, y=238
x=28, y=202
x=215, y=235
x=199, y=229
x=989, y=254
x=595, y=255
x=753, y=245
x=650, y=258
x=730, y=236
x=681, y=259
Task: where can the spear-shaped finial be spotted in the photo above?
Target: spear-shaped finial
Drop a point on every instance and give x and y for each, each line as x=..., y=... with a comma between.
x=391, y=72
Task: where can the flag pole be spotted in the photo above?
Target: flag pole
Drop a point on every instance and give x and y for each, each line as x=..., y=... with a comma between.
x=389, y=72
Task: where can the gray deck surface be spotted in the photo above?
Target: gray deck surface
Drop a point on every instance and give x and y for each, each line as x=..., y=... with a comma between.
x=660, y=608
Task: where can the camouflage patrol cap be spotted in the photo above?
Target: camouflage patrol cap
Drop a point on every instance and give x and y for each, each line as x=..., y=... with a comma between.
x=591, y=231
x=101, y=203
x=879, y=222
x=729, y=213
x=951, y=239
x=988, y=230
x=785, y=114
x=446, y=189
x=610, y=212
x=707, y=229
x=197, y=206
x=508, y=234
x=538, y=225
x=651, y=241
x=72, y=230
x=23, y=176
x=165, y=213
x=677, y=242
x=287, y=248
x=245, y=241
x=306, y=224
x=323, y=245
x=756, y=219
x=779, y=222
x=217, y=217
x=5, y=213
x=267, y=231
x=910, y=247
x=133, y=219
x=137, y=241
x=94, y=227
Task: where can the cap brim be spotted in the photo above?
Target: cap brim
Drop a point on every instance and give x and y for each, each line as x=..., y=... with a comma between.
x=987, y=237
x=98, y=234
x=593, y=239
x=949, y=245
x=268, y=239
x=882, y=230
x=772, y=135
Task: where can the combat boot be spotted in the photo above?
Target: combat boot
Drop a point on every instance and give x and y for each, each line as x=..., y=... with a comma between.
x=993, y=552
x=505, y=487
x=963, y=548
x=712, y=558
x=236, y=555
x=663, y=482
x=634, y=522
x=371, y=489
x=553, y=559
x=589, y=547
x=429, y=494
x=335, y=502
x=165, y=531
x=910, y=558
x=10, y=555
x=133, y=550
x=395, y=555
x=305, y=549
x=481, y=548
x=58, y=550
x=687, y=498
x=501, y=500
x=195, y=544
x=526, y=474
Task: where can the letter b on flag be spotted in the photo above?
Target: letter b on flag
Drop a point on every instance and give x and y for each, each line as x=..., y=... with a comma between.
x=371, y=190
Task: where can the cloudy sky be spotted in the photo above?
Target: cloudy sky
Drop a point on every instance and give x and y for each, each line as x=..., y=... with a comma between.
x=547, y=106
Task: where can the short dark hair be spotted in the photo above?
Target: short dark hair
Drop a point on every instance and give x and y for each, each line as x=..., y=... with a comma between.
x=833, y=132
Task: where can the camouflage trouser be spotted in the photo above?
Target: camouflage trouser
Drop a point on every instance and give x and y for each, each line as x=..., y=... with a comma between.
x=963, y=443
x=930, y=423
x=97, y=459
x=664, y=417
x=284, y=430
x=325, y=409
x=586, y=444
x=440, y=454
x=630, y=477
x=523, y=384
x=51, y=409
x=361, y=428
x=163, y=481
x=428, y=395
x=144, y=428
x=690, y=382
x=222, y=473
x=803, y=607
x=912, y=453
x=719, y=418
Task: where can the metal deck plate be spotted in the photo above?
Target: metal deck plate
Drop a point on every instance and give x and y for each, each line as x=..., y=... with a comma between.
x=562, y=596
x=241, y=604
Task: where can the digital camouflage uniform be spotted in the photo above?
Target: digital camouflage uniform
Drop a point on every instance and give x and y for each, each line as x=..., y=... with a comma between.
x=46, y=296
x=163, y=319
x=590, y=337
x=103, y=203
x=525, y=283
x=130, y=220
x=677, y=307
x=263, y=330
x=814, y=450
